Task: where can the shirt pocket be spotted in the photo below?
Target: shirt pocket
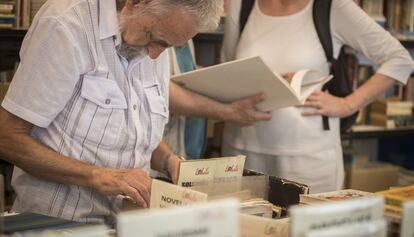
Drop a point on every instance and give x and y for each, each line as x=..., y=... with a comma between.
x=159, y=113
x=103, y=111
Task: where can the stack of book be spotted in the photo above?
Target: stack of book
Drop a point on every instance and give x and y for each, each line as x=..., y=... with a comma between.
x=392, y=113
x=341, y=195
x=35, y=5
x=396, y=15
x=375, y=9
x=400, y=15
x=394, y=200
x=7, y=14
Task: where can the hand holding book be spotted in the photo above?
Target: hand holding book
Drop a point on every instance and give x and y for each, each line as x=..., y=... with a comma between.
x=239, y=79
x=326, y=104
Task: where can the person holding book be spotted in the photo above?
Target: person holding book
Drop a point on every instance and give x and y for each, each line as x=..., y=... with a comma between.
x=186, y=135
x=294, y=144
x=84, y=116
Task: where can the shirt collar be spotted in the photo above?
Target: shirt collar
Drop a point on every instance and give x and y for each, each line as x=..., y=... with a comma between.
x=108, y=20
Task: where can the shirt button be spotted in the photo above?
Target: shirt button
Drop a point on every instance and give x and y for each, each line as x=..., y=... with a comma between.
x=107, y=101
x=135, y=107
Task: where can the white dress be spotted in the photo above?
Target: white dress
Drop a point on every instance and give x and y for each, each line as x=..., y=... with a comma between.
x=291, y=145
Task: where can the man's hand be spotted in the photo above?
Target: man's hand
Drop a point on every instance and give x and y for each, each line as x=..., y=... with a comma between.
x=328, y=105
x=243, y=111
x=134, y=183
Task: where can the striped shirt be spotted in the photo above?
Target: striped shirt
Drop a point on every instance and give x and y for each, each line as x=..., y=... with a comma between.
x=85, y=102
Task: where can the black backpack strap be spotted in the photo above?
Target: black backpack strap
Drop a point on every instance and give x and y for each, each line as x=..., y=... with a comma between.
x=321, y=19
x=246, y=8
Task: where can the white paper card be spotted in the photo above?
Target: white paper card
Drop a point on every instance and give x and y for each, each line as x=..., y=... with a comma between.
x=213, y=219
x=335, y=214
x=407, y=226
x=368, y=229
x=209, y=170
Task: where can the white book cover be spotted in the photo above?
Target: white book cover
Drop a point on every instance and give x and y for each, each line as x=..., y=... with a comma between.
x=213, y=219
x=196, y=171
x=209, y=170
x=335, y=214
x=369, y=229
x=242, y=78
x=407, y=226
x=164, y=195
x=229, y=168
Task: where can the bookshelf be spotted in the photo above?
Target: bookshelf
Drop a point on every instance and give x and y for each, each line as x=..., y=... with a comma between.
x=18, y=13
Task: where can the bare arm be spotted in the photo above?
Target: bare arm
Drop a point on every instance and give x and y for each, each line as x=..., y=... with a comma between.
x=242, y=112
x=164, y=160
x=20, y=149
x=326, y=104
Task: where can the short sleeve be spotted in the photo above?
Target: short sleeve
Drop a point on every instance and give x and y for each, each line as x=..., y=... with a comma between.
x=353, y=27
x=47, y=74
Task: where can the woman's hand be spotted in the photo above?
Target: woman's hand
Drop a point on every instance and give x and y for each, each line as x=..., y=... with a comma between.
x=328, y=105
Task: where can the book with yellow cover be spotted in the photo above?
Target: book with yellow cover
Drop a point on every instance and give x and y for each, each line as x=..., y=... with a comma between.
x=397, y=196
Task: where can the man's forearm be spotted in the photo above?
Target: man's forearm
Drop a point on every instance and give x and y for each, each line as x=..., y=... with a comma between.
x=159, y=155
x=187, y=103
x=18, y=148
x=241, y=112
x=165, y=161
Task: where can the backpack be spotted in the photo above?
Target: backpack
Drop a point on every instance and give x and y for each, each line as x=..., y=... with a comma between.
x=340, y=85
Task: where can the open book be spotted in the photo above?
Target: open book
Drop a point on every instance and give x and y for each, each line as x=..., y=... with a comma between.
x=242, y=78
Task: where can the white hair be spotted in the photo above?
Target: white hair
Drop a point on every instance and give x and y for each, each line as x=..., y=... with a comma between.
x=204, y=13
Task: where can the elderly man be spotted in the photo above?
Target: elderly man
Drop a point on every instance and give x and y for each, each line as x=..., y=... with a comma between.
x=84, y=116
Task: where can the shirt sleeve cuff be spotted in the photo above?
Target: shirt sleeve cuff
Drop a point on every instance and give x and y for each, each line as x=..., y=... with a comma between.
x=25, y=114
x=400, y=73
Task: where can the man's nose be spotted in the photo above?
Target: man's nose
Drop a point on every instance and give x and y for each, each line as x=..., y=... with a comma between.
x=154, y=50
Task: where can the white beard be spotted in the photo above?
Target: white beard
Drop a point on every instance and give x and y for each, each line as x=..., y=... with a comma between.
x=130, y=52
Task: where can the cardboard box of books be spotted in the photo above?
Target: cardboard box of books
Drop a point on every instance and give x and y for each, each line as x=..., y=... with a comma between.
x=371, y=176
x=282, y=192
x=213, y=219
x=335, y=215
x=166, y=195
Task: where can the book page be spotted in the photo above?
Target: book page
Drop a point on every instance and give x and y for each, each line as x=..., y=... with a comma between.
x=305, y=82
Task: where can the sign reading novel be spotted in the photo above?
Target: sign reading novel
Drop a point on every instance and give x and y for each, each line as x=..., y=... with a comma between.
x=165, y=195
